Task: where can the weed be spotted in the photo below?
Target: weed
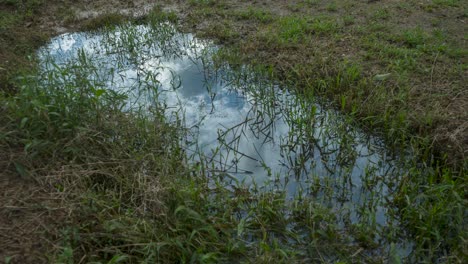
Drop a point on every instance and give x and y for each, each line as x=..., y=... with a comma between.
x=414, y=37
x=323, y=26
x=259, y=15
x=157, y=15
x=292, y=29
x=332, y=7
x=382, y=13
x=449, y=3
x=107, y=20
x=204, y=2
x=311, y=2
x=348, y=20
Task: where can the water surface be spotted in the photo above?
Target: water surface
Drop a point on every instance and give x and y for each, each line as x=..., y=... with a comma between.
x=241, y=125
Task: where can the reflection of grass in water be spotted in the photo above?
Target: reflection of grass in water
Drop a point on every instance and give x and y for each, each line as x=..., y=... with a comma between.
x=200, y=226
x=422, y=214
x=138, y=201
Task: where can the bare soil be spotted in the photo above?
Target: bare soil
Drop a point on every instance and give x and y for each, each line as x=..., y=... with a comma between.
x=30, y=216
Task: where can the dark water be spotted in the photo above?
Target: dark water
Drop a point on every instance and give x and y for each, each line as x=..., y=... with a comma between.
x=241, y=125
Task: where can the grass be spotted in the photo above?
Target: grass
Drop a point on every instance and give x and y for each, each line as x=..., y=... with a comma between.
x=9, y=22
x=255, y=14
x=137, y=202
x=133, y=202
x=107, y=20
x=447, y=3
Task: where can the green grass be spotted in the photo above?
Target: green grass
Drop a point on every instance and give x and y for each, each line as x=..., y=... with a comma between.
x=332, y=7
x=254, y=14
x=206, y=3
x=435, y=211
x=7, y=20
x=157, y=15
x=446, y=3
x=381, y=14
x=107, y=20
x=298, y=30
x=291, y=29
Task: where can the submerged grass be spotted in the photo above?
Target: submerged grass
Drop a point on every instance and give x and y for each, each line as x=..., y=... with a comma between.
x=379, y=89
x=312, y=43
x=132, y=198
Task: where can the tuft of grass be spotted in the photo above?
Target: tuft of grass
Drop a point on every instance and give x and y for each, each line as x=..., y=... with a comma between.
x=157, y=15
x=258, y=15
x=446, y=3
x=110, y=20
x=297, y=30
x=381, y=14
x=433, y=210
x=332, y=7
x=223, y=32
x=311, y=2
x=348, y=20
x=414, y=37
x=205, y=2
x=325, y=26
x=292, y=29
x=7, y=20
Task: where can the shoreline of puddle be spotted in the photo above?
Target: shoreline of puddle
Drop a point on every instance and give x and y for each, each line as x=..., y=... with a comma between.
x=241, y=125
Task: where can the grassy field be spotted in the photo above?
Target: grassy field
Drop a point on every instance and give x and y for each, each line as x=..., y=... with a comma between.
x=72, y=194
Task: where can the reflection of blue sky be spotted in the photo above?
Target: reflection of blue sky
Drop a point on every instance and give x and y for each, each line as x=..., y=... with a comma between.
x=211, y=106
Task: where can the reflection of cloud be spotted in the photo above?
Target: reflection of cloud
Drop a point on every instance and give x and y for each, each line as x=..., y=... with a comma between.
x=272, y=138
x=66, y=43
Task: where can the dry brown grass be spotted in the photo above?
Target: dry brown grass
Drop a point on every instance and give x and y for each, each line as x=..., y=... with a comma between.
x=30, y=218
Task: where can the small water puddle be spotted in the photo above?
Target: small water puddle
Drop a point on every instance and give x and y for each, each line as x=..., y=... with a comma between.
x=241, y=125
